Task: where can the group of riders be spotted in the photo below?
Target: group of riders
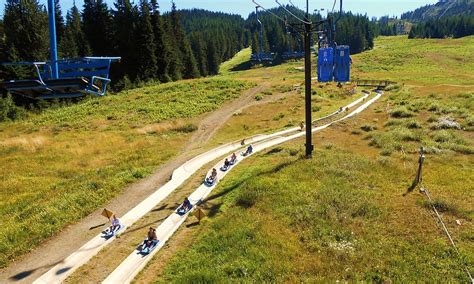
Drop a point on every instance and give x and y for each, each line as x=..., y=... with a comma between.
x=210, y=180
x=152, y=241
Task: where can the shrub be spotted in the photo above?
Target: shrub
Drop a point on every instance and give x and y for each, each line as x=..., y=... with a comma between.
x=279, y=116
x=413, y=124
x=433, y=108
x=246, y=198
x=356, y=132
x=8, y=109
x=394, y=87
x=401, y=112
x=258, y=97
x=393, y=122
x=470, y=121
x=368, y=127
x=188, y=128
x=443, y=136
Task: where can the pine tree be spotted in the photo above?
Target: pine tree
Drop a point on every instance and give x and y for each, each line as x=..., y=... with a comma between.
x=97, y=26
x=200, y=52
x=212, y=58
x=145, y=44
x=26, y=31
x=59, y=20
x=74, y=42
x=175, y=65
x=125, y=21
x=162, y=51
x=189, y=67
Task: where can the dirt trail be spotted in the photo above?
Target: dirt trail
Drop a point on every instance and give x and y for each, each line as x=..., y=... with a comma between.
x=72, y=237
x=213, y=122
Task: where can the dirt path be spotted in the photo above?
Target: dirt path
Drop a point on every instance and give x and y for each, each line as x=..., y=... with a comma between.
x=72, y=237
x=213, y=122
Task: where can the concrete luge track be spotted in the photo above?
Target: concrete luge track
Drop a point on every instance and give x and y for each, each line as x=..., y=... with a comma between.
x=135, y=262
x=71, y=263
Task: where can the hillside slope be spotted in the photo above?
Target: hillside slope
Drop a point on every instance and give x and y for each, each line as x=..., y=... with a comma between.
x=345, y=215
x=444, y=8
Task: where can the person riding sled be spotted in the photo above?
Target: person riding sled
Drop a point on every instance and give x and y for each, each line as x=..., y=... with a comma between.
x=185, y=207
x=226, y=165
x=248, y=151
x=212, y=178
x=115, y=226
x=150, y=241
x=233, y=159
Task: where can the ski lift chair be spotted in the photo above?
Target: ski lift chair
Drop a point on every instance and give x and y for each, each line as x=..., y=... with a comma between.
x=77, y=77
x=262, y=57
x=287, y=55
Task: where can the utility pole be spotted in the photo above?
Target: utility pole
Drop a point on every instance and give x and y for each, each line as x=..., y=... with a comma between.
x=307, y=79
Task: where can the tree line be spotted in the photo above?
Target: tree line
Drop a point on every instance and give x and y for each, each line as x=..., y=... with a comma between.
x=357, y=31
x=386, y=26
x=153, y=46
x=455, y=27
x=444, y=8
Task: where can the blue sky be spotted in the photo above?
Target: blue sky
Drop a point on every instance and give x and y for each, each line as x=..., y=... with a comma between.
x=375, y=8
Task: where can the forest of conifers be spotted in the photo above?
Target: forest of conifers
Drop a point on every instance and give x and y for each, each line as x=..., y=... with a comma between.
x=153, y=45
x=178, y=44
x=455, y=27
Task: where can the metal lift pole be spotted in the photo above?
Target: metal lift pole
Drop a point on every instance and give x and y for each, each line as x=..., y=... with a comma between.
x=52, y=40
x=307, y=69
x=260, y=31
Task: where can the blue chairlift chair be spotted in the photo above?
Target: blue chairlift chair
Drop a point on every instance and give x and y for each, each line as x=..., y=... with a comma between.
x=77, y=77
x=261, y=56
x=63, y=78
x=290, y=54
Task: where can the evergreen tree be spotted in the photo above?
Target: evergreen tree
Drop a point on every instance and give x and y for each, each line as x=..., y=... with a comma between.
x=145, y=44
x=26, y=32
x=125, y=21
x=212, y=58
x=97, y=26
x=189, y=67
x=456, y=26
x=59, y=20
x=74, y=43
x=175, y=65
x=200, y=52
x=162, y=52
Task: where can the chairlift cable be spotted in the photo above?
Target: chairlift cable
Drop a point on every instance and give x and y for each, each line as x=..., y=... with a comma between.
x=450, y=6
x=268, y=11
x=293, y=4
x=294, y=16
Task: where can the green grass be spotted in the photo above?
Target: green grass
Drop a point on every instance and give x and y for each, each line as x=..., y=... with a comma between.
x=415, y=122
x=62, y=164
x=426, y=61
x=343, y=216
x=337, y=217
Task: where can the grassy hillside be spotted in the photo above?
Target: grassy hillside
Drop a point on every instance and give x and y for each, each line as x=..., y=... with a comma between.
x=445, y=8
x=344, y=215
x=337, y=217
x=59, y=166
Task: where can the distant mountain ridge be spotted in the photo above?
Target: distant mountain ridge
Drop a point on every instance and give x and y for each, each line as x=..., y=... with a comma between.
x=444, y=8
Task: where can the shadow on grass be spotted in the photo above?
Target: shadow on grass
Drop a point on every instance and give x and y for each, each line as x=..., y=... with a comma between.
x=242, y=66
x=161, y=208
x=143, y=226
x=192, y=224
